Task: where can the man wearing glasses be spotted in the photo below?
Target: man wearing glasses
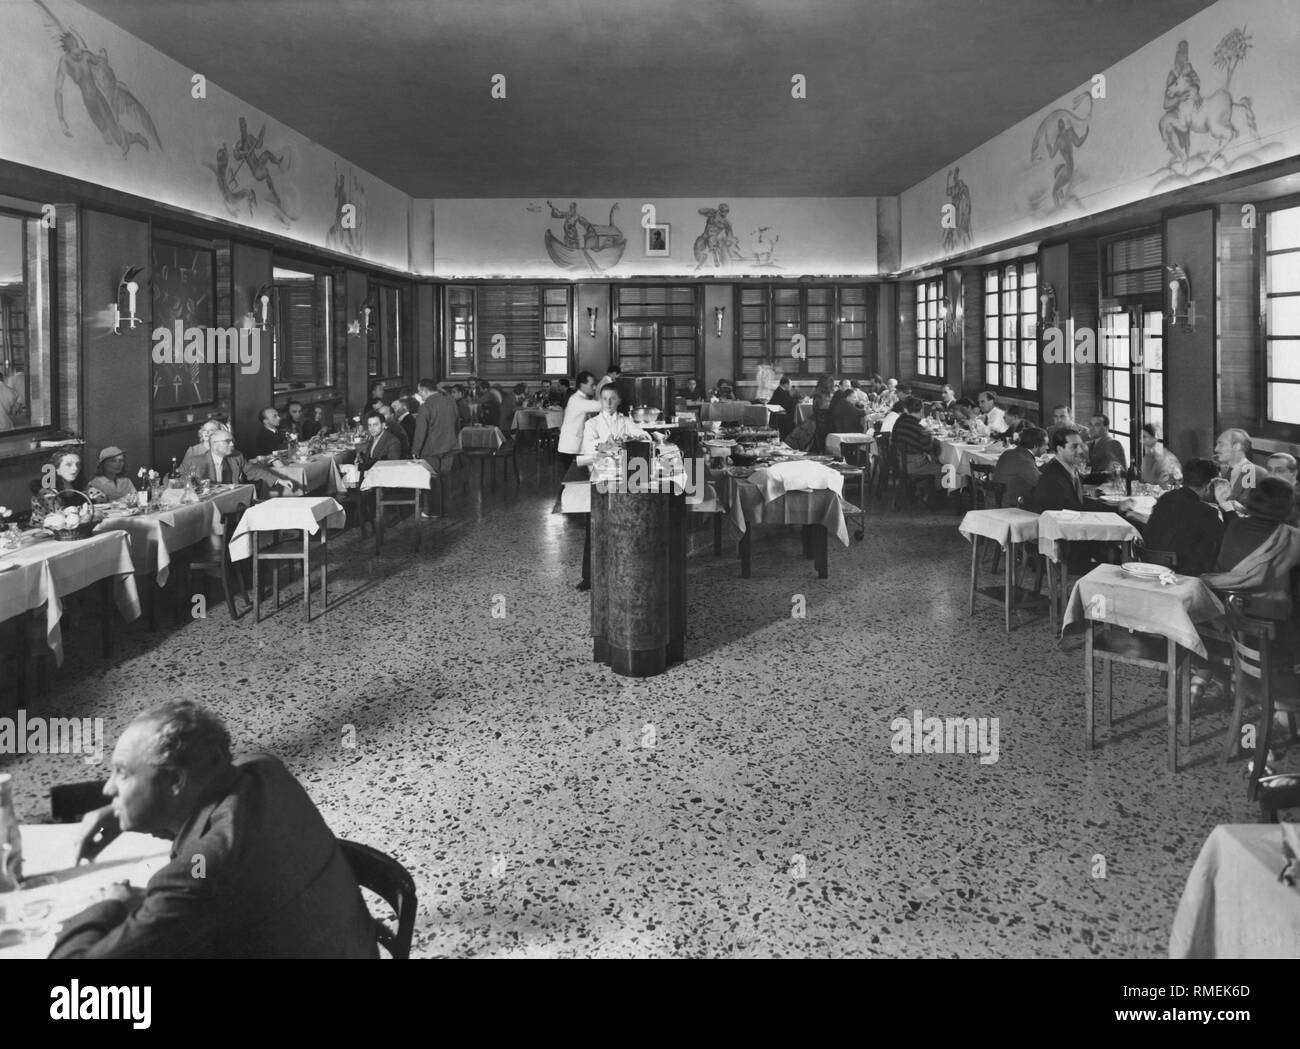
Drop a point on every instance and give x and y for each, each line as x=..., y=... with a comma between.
x=224, y=465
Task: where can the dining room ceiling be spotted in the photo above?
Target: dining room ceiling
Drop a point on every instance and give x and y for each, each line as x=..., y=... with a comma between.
x=679, y=98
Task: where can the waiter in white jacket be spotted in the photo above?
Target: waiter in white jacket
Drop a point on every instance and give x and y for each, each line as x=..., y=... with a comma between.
x=603, y=432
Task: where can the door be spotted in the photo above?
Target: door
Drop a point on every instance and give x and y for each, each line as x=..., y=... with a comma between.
x=1132, y=372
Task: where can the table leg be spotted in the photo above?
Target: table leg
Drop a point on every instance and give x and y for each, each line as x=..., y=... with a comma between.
x=1107, y=683
x=306, y=575
x=1185, y=697
x=586, y=553
x=821, y=556
x=257, y=584
x=1008, y=582
x=1052, y=618
x=22, y=651
x=806, y=539
x=1088, y=732
x=324, y=560
x=379, y=519
x=717, y=534
x=974, y=569
x=1172, y=704
x=744, y=552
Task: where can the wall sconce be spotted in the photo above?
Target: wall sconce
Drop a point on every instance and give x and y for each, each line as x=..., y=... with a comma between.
x=361, y=324
x=1182, y=310
x=945, y=310
x=592, y=313
x=261, y=311
x=127, y=289
x=1048, y=308
x=719, y=313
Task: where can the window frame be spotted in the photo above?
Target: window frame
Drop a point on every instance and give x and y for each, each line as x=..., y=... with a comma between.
x=322, y=300
x=999, y=360
x=447, y=338
x=930, y=347
x=13, y=207
x=870, y=337
x=375, y=297
x=1271, y=427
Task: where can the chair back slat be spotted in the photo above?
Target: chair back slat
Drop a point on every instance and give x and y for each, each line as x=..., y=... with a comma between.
x=392, y=883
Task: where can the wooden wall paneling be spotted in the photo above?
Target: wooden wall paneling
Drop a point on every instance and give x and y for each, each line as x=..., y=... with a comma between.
x=1189, y=241
x=1235, y=309
x=1085, y=311
x=902, y=362
x=966, y=370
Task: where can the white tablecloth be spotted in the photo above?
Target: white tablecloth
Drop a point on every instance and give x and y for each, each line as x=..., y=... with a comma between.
x=304, y=513
x=399, y=473
x=46, y=571
x=49, y=850
x=319, y=473
x=1010, y=525
x=1234, y=906
x=537, y=419
x=960, y=455
x=488, y=438
x=155, y=536
x=1056, y=526
x=802, y=476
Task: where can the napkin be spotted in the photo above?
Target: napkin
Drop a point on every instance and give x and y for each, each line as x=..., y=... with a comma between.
x=799, y=476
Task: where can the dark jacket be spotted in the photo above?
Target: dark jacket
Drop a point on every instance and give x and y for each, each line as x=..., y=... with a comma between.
x=1191, y=528
x=784, y=420
x=1018, y=473
x=846, y=417
x=274, y=884
x=241, y=471
x=407, y=423
x=1103, y=452
x=435, y=428
x=1059, y=489
x=389, y=447
x=268, y=441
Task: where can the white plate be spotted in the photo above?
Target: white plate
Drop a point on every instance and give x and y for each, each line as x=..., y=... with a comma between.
x=1142, y=570
x=1111, y=497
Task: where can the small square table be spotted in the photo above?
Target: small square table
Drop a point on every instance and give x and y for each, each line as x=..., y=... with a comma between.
x=309, y=515
x=1010, y=528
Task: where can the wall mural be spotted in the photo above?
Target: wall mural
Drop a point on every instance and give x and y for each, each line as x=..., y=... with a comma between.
x=255, y=166
x=1059, y=134
x=348, y=233
x=585, y=244
x=718, y=245
x=118, y=114
x=182, y=291
x=956, y=222
x=1189, y=113
x=762, y=245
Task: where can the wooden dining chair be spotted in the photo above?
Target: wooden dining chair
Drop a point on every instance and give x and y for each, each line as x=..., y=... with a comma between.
x=1277, y=690
x=392, y=883
x=1167, y=558
x=986, y=493
x=218, y=561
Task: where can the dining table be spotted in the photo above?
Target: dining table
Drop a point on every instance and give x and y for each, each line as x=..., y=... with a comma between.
x=1155, y=605
x=1058, y=527
x=960, y=453
x=55, y=888
x=317, y=473
x=156, y=534
x=537, y=419
x=42, y=571
x=749, y=500
x=1238, y=902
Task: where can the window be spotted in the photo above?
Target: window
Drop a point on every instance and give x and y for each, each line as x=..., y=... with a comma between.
x=26, y=350
x=1133, y=265
x=505, y=332
x=1011, y=326
x=929, y=343
x=385, y=341
x=302, y=329
x=836, y=324
x=1282, y=316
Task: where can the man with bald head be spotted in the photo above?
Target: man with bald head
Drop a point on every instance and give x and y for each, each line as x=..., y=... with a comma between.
x=1239, y=474
x=224, y=465
x=254, y=871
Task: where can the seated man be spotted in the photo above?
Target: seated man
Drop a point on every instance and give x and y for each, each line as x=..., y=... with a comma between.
x=1062, y=417
x=383, y=443
x=224, y=465
x=1238, y=473
x=1283, y=465
x=254, y=871
x=920, y=451
x=1183, y=522
x=1014, y=424
x=846, y=416
x=1059, y=488
x=404, y=409
x=1017, y=468
x=1104, y=452
x=782, y=397
x=270, y=438
x=994, y=417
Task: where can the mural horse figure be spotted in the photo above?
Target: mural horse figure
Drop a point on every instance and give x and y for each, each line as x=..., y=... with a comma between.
x=1205, y=116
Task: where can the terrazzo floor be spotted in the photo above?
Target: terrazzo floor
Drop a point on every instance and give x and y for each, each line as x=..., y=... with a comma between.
x=746, y=803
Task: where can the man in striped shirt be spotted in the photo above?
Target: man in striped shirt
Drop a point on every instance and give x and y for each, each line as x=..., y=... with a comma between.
x=919, y=449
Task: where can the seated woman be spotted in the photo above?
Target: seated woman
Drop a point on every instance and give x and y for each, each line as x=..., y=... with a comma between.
x=823, y=393
x=314, y=424
x=61, y=477
x=110, y=476
x=1159, y=465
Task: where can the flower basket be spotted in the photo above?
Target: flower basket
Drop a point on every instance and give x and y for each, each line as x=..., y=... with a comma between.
x=81, y=531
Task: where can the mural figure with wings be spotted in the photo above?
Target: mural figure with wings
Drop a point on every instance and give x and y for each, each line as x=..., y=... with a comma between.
x=118, y=114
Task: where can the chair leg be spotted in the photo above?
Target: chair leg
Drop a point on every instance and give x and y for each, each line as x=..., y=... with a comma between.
x=1238, y=709
x=974, y=569
x=1009, y=587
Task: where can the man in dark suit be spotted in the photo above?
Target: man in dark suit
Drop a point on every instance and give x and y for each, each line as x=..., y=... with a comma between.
x=783, y=398
x=224, y=465
x=1059, y=488
x=1185, y=523
x=382, y=443
x=1104, y=452
x=254, y=871
x=1017, y=468
x=270, y=438
x=846, y=416
x=404, y=413
x=436, y=440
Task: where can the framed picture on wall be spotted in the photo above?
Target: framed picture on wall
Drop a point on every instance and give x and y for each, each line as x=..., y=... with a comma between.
x=657, y=241
x=184, y=290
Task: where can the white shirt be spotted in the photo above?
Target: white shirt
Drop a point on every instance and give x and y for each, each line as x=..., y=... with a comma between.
x=887, y=426
x=996, y=419
x=575, y=417
x=603, y=427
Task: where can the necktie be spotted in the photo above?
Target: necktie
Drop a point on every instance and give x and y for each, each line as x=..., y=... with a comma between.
x=1078, y=488
x=225, y=477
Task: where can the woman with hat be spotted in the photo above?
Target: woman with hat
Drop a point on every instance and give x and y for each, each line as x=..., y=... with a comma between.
x=110, y=477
